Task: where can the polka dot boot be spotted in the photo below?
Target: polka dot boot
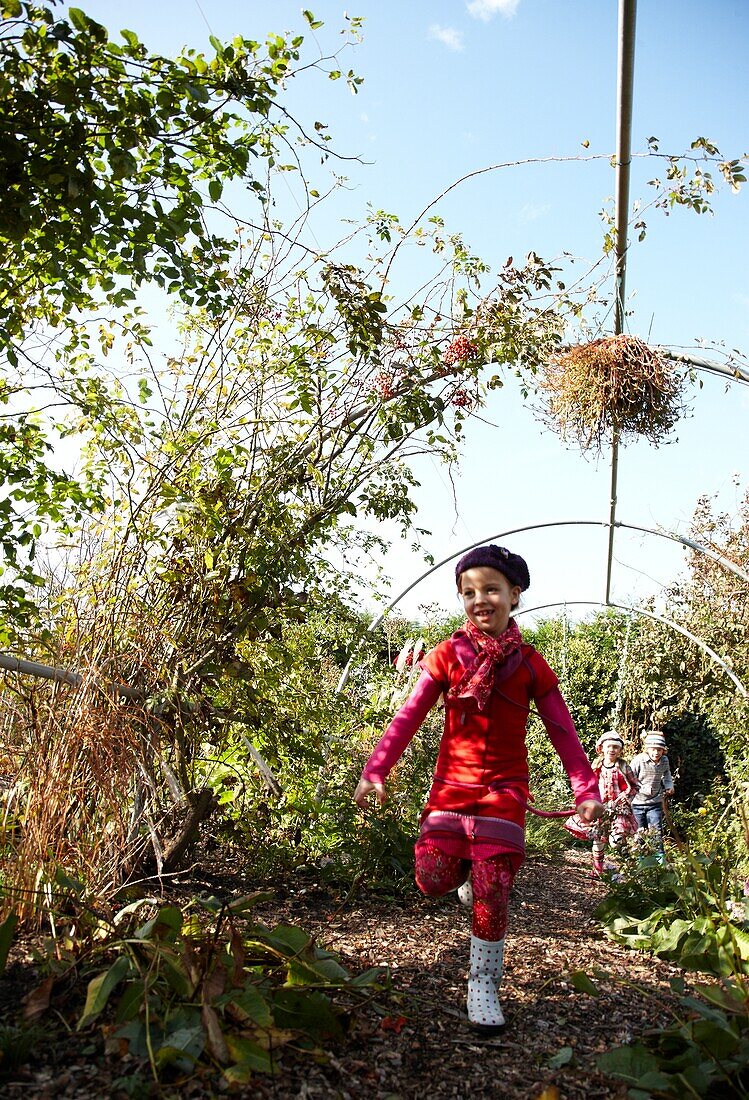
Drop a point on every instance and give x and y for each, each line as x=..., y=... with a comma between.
x=465, y=893
x=487, y=958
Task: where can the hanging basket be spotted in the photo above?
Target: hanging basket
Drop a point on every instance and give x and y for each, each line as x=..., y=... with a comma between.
x=613, y=385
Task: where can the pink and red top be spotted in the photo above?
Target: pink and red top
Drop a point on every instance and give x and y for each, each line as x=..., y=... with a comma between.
x=476, y=805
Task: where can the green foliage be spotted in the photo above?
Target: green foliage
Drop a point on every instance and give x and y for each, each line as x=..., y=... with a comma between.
x=588, y=657
x=17, y=1045
x=704, y=1053
x=7, y=930
x=316, y=741
x=692, y=913
x=697, y=758
x=695, y=915
x=34, y=495
x=689, y=182
x=717, y=828
x=114, y=155
x=677, y=680
x=212, y=984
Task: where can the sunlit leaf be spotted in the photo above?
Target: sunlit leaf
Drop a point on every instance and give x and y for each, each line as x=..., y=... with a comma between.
x=100, y=989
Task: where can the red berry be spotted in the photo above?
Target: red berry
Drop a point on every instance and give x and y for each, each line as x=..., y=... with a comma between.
x=383, y=385
x=460, y=350
x=461, y=398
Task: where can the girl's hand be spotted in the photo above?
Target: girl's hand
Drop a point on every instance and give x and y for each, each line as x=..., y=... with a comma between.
x=590, y=810
x=365, y=789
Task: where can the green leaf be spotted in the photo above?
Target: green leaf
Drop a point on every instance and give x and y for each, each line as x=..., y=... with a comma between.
x=249, y=901
x=7, y=929
x=728, y=997
x=630, y=1063
x=306, y=1011
x=167, y=924
x=184, y=1043
x=131, y=1001
x=249, y=1058
x=134, y=1033
x=562, y=1058
x=100, y=988
x=668, y=938
x=583, y=984
x=212, y=904
x=694, y=1082
x=372, y=978
x=79, y=19
x=215, y=189
x=251, y=1005
x=742, y=942
x=328, y=966
x=175, y=976
x=717, y=1037
x=62, y=879
x=289, y=939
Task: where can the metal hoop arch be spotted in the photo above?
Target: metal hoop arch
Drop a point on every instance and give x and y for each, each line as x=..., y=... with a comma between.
x=634, y=610
x=690, y=543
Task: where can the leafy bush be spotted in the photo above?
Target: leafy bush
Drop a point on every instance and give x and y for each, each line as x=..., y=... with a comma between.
x=210, y=984
x=686, y=916
x=704, y=1053
x=693, y=913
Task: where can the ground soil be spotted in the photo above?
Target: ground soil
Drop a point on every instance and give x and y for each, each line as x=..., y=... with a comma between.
x=415, y=1042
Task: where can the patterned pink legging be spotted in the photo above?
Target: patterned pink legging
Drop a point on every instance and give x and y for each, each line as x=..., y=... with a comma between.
x=438, y=873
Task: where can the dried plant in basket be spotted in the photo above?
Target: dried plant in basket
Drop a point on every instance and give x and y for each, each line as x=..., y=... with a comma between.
x=615, y=384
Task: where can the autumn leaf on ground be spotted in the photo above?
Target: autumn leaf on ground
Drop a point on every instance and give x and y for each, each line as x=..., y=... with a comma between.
x=550, y=1092
x=393, y=1023
x=36, y=1003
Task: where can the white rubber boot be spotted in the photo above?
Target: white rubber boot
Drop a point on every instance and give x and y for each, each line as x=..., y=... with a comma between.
x=487, y=960
x=465, y=893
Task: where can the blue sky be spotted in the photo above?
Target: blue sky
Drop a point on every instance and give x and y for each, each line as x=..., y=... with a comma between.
x=451, y=87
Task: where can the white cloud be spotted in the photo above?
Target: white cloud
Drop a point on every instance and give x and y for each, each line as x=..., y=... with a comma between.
x=487, y=9
x=530, y=212
x=448, y=36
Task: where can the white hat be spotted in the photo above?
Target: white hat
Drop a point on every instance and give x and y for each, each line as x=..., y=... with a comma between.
x=655, y=740
x=610, y=736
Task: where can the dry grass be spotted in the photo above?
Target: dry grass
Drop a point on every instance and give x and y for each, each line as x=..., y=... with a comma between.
x=615, y=385
x=77, y=756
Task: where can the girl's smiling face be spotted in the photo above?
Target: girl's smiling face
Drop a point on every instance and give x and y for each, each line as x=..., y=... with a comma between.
x=612, y=750
x=488, y=598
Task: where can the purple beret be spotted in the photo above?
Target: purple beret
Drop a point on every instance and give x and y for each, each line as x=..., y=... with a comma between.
x=496, y=557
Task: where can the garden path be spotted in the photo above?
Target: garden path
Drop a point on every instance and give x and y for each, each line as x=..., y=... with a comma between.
x=415, y=1044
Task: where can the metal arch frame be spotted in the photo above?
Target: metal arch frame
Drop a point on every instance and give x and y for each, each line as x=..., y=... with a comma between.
x=627, y=19
x=633, y=609
x=690, y=543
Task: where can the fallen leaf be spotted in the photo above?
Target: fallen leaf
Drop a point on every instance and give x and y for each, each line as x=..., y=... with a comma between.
x=36, y=1002
x=393, y=1023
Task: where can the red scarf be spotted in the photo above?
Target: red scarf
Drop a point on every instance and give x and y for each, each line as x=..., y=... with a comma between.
x=478, y=680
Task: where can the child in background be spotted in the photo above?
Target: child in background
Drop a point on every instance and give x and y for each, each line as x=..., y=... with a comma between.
x=652, y=771
x=474, y=818
x=617, y=786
